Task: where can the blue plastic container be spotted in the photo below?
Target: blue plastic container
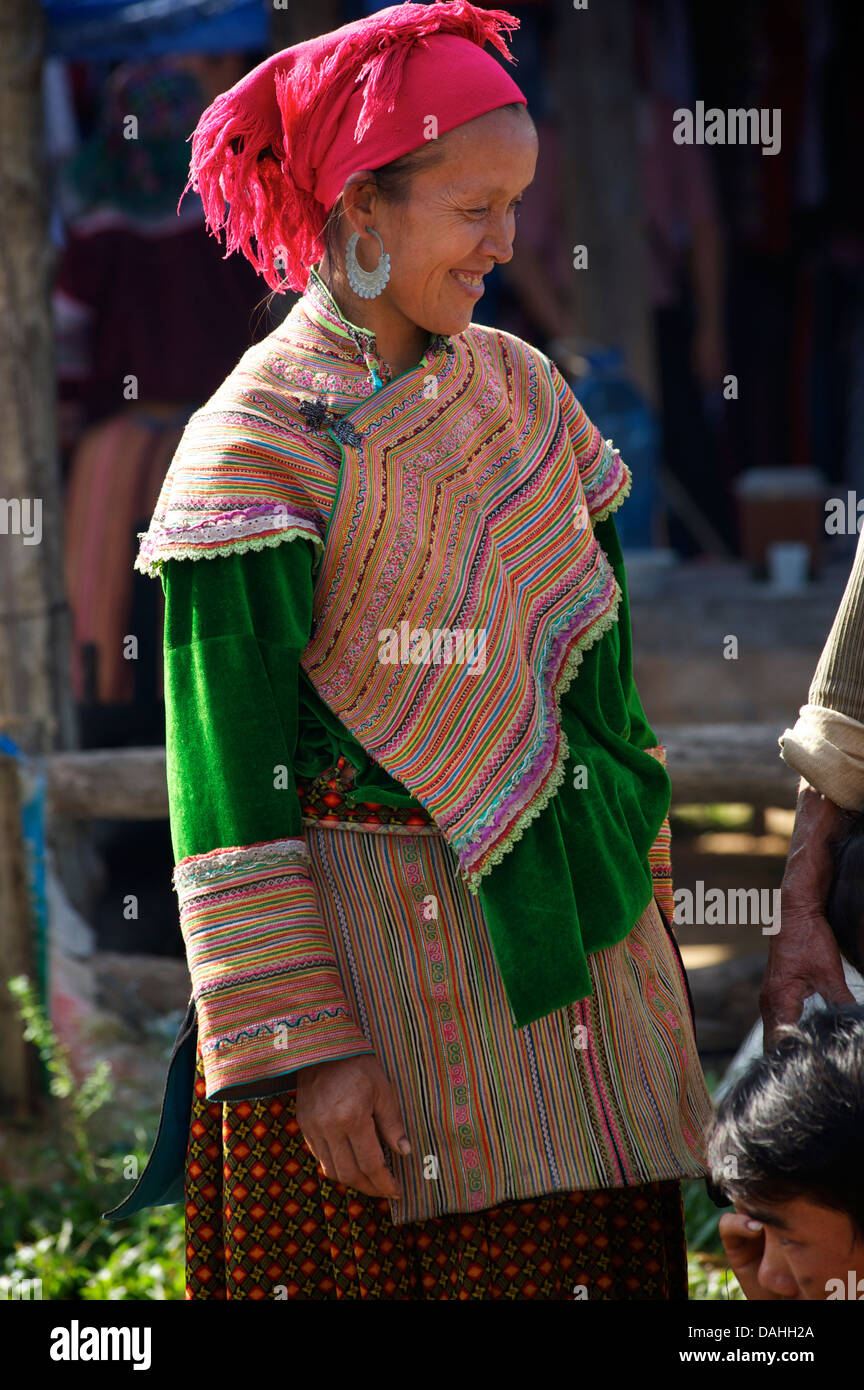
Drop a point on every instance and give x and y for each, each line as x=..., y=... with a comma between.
x=616, y=407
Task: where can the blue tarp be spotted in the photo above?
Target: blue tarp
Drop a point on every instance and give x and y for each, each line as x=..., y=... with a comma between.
x=32, y=814
x=109, y=30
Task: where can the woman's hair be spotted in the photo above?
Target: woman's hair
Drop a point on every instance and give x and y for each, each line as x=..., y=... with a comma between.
x=793, y=1124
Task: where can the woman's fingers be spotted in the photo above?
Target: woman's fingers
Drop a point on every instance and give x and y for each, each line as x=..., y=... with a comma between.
x=389, y=1122
x=319, y=1149
x=345, y=1168
x=362, y=1170
x=342, y=1108
x=325, y=1159
x=370, y=1160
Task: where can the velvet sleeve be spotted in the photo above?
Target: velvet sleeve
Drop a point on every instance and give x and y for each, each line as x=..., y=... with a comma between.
x=641, y=733
x=264, y=975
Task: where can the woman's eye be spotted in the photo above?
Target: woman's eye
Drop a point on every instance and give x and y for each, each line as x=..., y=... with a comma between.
x=484, y=212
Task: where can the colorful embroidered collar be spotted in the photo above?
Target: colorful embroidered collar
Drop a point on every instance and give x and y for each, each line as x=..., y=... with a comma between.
x=321, y=309
x=458, y=580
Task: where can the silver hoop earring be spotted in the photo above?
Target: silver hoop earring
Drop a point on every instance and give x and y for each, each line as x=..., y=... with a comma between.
x=366, y=283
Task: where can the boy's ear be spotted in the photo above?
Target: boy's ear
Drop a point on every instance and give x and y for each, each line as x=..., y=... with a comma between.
x=717, y=1195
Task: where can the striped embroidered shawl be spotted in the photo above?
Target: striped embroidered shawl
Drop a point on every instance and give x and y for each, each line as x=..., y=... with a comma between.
x=458, y=497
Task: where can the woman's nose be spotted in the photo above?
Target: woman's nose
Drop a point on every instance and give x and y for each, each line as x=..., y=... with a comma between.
x=498, y=243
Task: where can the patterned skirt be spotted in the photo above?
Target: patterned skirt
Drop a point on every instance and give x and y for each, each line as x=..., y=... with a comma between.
x=262, y=1222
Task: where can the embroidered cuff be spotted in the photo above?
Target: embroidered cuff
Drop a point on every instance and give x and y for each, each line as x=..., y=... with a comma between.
x=197, y=516
x=251, y=528
x=660, y=853
x=264, y=974
x=827, y=749
x=605, y=477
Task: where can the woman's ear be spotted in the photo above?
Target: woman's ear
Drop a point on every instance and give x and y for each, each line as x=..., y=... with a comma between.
x=359, y=198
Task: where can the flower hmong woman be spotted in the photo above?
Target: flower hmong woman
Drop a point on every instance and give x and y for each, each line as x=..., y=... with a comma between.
x=440, y=1043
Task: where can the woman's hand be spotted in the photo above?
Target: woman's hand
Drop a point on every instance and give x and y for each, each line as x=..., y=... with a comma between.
x=803, y=957
x=346, y=1110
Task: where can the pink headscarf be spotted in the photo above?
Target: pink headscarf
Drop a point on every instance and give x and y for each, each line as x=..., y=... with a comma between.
x=306, y=105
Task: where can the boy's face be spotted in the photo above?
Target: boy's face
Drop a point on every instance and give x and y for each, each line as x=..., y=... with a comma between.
x=801, y=1249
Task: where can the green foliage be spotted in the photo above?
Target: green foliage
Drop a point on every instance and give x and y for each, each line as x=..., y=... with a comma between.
x=708, y=1281
x=84, y=1099
x=57, y=1235
x=702, y=1219
x=52, y=1230
x=694, y=818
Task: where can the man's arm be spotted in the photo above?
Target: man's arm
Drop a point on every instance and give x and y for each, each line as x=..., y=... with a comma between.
x=826, y=747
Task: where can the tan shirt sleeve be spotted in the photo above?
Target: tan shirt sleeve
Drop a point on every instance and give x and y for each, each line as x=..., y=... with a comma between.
x=826, y=745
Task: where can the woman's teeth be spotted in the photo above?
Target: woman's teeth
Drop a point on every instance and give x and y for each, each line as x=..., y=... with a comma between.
x=470, y=282
x=464, y=278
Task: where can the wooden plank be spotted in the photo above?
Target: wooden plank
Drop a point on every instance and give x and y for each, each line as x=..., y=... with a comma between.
x=114, y=783
x=707, y=762
x=728, y=762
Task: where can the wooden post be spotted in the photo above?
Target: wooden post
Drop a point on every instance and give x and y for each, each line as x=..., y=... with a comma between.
x=36, y=708
x=597, y=100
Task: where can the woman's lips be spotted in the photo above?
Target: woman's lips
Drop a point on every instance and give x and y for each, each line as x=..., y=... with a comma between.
x=469, y=281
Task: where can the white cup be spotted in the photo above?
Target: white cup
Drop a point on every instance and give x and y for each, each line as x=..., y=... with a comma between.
x=788, y=566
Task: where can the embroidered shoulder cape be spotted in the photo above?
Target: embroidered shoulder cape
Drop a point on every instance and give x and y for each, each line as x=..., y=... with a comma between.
x=458, y=580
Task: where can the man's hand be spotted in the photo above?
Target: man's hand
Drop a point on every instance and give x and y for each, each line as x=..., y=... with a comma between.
x=804, y=958
x=744, y=1243
x=346, y=1110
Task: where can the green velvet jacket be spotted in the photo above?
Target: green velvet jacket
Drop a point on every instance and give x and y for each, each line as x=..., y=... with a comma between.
x=238, y=705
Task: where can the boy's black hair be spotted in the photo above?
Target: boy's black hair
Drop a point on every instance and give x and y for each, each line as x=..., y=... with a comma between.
x=793, y=1125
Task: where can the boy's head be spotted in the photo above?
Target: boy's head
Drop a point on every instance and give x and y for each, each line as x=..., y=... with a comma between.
x=787, y=1145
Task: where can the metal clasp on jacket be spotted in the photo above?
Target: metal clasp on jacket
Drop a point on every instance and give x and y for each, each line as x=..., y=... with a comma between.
x=319, y=417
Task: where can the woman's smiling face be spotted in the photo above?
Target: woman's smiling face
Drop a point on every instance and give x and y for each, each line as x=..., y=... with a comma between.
x=457, y=220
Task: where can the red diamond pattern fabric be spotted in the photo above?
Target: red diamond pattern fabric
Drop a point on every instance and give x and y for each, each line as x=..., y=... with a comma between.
x=263, y=1223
